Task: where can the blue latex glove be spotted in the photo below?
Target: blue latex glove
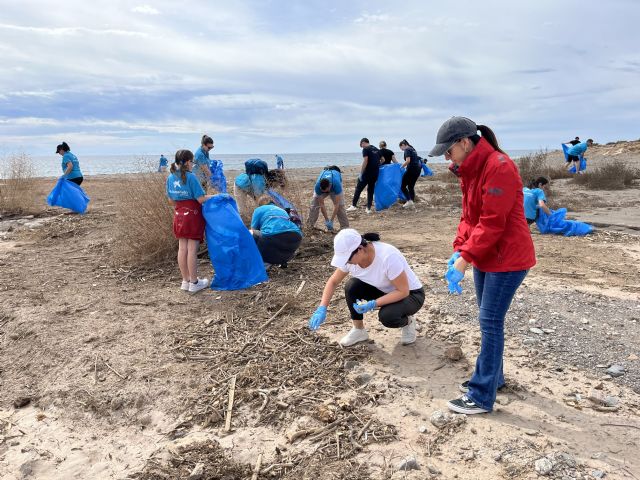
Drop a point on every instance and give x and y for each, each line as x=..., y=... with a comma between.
x=452, y=260
x=453, y=278
x=318, y=318
x=364, y=307
x=329, y=224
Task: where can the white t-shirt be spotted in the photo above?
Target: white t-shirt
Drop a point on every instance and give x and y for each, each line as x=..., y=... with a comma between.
x=387, y=264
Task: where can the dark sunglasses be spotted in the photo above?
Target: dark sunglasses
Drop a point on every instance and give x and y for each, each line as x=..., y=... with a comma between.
x=448, y=151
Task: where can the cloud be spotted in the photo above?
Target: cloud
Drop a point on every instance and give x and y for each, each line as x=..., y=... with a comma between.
x=70, y=31
x=145, y=10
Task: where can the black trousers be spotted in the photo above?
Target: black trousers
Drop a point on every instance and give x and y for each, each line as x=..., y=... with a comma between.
x=370, y=183
x=77, y=180
x=393, y=315
x=279, y=248
x=409, y=180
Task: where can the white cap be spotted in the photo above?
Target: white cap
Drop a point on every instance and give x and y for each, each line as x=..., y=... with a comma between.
x=344, y=244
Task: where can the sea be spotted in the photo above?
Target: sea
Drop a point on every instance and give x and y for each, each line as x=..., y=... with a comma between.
x=49, y=165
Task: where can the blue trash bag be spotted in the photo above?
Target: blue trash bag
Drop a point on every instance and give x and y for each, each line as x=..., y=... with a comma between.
x=252, y=184
x=557, y=224
x=387, y=188
x=67, y=194
x=583, y=161
x=287, y=206
x=217, y=179
x=234, y=255
x=426, y=171
x=255, y=166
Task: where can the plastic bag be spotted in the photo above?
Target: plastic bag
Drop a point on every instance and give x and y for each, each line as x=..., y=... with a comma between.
x=287, y=206
x=387, y=188
x=217, y=179
x=235, y=258
x=426, y=171
x=583, y=161
x=67, y=194
x=254, y=185
x=255, y=166
x=556, y=223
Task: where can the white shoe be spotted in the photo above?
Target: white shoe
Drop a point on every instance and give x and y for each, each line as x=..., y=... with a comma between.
x=185, y=285
x=196, y=287
x=355, y=335
x=368, y=210
x=351, y=208
x=408, y=203
x=408, y=332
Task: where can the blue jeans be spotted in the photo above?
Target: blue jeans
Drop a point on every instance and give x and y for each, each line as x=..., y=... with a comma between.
x=494, y=292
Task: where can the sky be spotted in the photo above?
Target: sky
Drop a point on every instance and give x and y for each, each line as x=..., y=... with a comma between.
x=120, y=77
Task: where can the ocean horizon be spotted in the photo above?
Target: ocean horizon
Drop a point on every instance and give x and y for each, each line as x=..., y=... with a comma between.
x=49, y=165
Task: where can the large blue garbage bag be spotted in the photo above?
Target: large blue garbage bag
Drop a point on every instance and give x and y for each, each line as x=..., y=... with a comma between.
x=254, y=184
x=426, y=171
x=67, y=194
x=218, y=180
x=556, y=223
x=387, y=188
x=287, y=206
x=583, y=161
x=235, y=258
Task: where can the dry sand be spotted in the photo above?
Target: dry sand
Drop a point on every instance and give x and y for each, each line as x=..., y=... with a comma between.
x=128, y=378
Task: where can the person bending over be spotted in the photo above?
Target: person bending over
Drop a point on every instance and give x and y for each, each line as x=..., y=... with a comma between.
x=575, y=152
x=535, y=199
x=328, y=184
x=70, y=164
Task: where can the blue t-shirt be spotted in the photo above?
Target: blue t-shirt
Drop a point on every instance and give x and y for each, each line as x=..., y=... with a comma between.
x=532, y=198
x=279, y=162
x=411, y=153
x=75, y=171
x=271, y=220
x=200, y=158
x=334, y=178
x=163, y=161
x=177, y=191
x=578, y=149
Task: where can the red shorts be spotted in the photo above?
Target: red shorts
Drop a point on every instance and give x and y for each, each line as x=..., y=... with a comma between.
x=188, y=221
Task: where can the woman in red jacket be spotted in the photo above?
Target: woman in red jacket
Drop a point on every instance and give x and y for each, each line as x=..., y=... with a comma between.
x=494, y=237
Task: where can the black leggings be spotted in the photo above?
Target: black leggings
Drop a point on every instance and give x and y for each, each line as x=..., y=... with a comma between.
x=77, y=180
x=279, y=248
x=370, y=183
x=393, y=315
x=409, y=180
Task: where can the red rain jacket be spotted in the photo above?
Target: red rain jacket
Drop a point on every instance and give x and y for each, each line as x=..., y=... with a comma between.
x=493, y=234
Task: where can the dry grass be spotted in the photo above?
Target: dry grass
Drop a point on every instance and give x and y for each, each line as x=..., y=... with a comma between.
x=611, y=176
x=144, y=235
x=535, y=165
x=18, y=186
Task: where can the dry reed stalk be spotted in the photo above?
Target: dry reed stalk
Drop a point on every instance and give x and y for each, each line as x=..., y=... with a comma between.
x=18, y=186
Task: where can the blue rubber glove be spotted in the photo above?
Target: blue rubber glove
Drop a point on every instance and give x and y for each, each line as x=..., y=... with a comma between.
x=452, y=260
x=329, y=224
x=318, y=318
x=364, y=307
x=453, y=278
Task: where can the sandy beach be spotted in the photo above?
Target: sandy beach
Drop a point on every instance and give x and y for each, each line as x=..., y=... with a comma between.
x=108, y=371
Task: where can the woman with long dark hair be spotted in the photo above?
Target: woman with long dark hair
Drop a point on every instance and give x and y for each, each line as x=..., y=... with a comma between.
x=70, y=165
x=412, y=173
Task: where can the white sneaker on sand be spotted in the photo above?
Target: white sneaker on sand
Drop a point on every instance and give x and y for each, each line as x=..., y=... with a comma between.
x=355, y=335
x=196, y=287
x=351, y=208
x=185, y=285
x=408, y=204
x=368, y=210
x=408, y=332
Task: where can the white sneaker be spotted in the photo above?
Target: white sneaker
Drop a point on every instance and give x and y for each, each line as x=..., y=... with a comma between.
x=196, y=287
x=185, y=285
x=368, y=210
x=355, y=335
x=408, y=332
x=351, y=208
x=408, y=203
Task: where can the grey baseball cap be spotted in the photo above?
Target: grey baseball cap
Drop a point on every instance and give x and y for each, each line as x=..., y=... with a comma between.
x=450, y=132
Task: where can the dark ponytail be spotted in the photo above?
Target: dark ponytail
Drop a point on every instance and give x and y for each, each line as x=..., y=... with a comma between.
x=182, y=157
x=206, y=140
x=405, y=142
x=537, y=183
x=489, y=136
x=370, y=237
x=63, y=146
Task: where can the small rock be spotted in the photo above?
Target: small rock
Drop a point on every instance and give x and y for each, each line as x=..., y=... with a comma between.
x=536, y=330
x=409, y=463
x=503, y=400
x=470, y=455
x=529, y=341
x=597, y=474
x=599, y=386
x=422, y=429
x=197, y=473
x=543, y=466
x=453, y=353
x=363, y=378
x=548, y=330
x=600, y=399
x=438, y=419
x=350, y=364
x=21, y=402
x=632, y=357
x=616, y=370
x=433, y=470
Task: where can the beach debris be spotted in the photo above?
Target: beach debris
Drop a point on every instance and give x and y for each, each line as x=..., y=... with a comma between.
x=422, y=429
x=536, y=330
x=197, y=473
x=363, y=378
x=616, y=370
x=453, y=353
x=232, y=391
x=409, y=463
x=21, y=402
x=433, y=470
x=441, y=419
x=597, y=474
x=543, y=466
x=599, y=398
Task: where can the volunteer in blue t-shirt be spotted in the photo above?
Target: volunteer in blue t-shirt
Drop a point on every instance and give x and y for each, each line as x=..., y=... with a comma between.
x=329, y=184
x=412, y=173
x=575, y=152
x=163, y=163
x=201, y=161
x=186, y=193
x=535, y=199
x=279, y=162
x=276, y=236
x=368, y=174
x=70, y=165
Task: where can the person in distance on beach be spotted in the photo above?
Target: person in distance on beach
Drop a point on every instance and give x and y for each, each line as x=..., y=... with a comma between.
x=201, y=162
x=329, y=184
x=185, y=192
x=380, y=279
x=386, y=155
x=279, y=162
x=70, y=164
x=413, y=168
x=535, y=199
x=494, y=237
x=574, y=153
x=276, y=236
x=163, y=164
x=368, y=174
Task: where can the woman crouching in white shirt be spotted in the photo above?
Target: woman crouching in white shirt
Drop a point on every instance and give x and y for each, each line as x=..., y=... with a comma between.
x=380, y=278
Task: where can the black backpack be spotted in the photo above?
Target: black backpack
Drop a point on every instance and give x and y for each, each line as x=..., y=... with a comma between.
x=255, y=166
x=333, y=167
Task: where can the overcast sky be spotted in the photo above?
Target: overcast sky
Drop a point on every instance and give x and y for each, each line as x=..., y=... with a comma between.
x=113, y=77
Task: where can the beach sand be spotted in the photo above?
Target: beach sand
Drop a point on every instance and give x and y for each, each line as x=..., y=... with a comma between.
x=125, y=375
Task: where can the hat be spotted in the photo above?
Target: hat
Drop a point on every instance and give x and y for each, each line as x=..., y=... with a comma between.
x=450, y=132
x=344, y=244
